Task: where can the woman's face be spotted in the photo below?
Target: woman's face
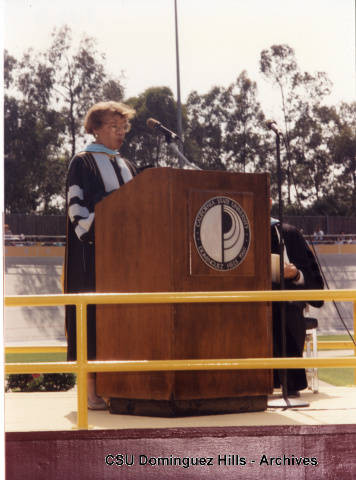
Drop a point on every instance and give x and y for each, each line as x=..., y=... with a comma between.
x=112, y=132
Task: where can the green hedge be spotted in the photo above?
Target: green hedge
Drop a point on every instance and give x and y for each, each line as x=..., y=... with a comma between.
x=45, y=382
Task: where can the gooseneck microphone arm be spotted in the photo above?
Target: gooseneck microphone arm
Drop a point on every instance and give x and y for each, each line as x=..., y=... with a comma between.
x=182, y=160
x=169, y=136
x=156, y=125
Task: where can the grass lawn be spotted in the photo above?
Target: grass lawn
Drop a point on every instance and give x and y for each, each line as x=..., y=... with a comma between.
x=334, y=376
x=35, y=357
x=333, y=338
x=340, y=377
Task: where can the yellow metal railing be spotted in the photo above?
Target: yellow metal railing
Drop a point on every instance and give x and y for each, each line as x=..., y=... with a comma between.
x=82, y=366
x=34, y=349
x=321, y=345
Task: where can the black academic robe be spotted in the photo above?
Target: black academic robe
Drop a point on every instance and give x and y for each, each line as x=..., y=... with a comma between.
x=299, y=253
x=91, y=177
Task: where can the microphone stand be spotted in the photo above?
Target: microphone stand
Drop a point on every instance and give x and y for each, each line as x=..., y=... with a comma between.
x=283, y=402
x=182, y=160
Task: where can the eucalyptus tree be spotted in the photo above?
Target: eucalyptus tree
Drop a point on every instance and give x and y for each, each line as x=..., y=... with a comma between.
x=226, y=128
x=343, y=148
x=46, y=97
x=207, y=117
x=245, y=144
x=313, y=127
x=302, y=94
x=278, y=64
x=142, y=145
x=79, y=80
x=33, y=170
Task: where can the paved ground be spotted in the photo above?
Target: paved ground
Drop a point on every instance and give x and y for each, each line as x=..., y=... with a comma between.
x=32, y=274
x=41, y=275
x=340, y=272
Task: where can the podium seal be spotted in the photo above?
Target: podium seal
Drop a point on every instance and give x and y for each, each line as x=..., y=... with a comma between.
x=222, y=233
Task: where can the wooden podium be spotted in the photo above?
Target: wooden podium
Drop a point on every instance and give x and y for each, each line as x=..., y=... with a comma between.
x=174, y=230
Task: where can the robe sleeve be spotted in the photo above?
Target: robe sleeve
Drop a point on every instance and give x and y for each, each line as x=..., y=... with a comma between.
x=80, y=202
x=303, y=258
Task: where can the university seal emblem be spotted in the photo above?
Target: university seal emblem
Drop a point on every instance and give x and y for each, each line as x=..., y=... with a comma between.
x=222, y=233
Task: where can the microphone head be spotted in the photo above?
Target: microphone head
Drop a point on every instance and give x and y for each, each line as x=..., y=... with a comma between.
x=270, y=124
x=152, y=123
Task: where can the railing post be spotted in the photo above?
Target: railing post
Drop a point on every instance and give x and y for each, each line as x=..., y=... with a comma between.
x=82, y=361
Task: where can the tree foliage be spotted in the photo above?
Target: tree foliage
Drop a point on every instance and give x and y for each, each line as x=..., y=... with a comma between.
x=48, y=93
x=142, y=145
x=79, y=80
x=245, y=144
x=33, y=137
x=207, y=121
x=343, y=148
x=46, y=97
x=225, y=127
x=301, y=96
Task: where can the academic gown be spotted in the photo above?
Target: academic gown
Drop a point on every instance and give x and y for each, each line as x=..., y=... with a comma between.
x=298, y=253
x=92, y=175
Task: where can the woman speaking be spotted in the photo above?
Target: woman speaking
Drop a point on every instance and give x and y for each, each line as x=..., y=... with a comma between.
x=92, y=175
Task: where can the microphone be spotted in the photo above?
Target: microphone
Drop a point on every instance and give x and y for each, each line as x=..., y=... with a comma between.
x=272, y=125
x=156, y=125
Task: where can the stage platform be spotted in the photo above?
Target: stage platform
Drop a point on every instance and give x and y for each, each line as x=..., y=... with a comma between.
x=315, y=442
x=58, y=411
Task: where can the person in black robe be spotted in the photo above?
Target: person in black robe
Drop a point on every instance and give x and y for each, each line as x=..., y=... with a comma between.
x=301, y=271
x=92, y=175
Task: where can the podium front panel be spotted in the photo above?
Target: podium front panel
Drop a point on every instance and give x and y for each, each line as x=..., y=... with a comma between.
x=179, y=230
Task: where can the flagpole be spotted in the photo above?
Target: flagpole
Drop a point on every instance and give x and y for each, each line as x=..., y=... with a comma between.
x=179, y=104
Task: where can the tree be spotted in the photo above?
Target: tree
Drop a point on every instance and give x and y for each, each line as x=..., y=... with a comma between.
x=206, y=121
x=46, y=97
x=32, y=133
x=313, y=163
x=112, y=90
x=142, y=145
x=225, y=127
x=301, y=106
x=343, y=148
x=33, y=170
x=245, y=146
x=79, y=80
x=10, y=64
x=67, y=79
